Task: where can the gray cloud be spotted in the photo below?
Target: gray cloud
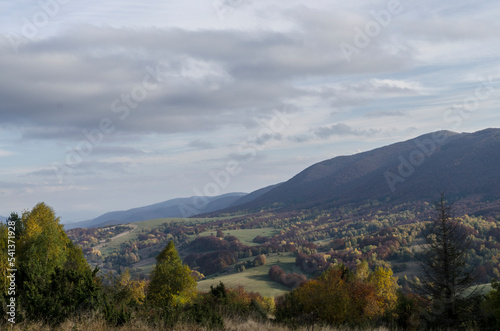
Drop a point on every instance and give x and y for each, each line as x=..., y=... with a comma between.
x=342, y=129
x=85, y=168
x=117, y=150
x=300, y=138
x=378, y=114
x=200, y=144
x=225, y=74
x=211, y=78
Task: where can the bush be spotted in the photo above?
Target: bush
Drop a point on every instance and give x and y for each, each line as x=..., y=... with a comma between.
x=204, y=315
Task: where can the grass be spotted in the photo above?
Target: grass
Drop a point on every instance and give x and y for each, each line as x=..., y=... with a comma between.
x=110, y=247
x=246, y=236
x=478, y=289
x=253, y=279
x=96, y=323
x=146, y=265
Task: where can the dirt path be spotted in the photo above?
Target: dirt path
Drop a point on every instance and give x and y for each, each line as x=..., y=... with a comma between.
x=133, y=226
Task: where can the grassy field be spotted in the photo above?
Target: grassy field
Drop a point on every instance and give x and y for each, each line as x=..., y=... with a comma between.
x=246, y=236
x=254, y=279
x=149, y=224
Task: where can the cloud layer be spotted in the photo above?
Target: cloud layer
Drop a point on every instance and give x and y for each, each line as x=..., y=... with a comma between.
x=159, y=95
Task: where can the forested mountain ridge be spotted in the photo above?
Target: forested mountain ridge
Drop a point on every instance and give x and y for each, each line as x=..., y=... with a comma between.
x=462, y=164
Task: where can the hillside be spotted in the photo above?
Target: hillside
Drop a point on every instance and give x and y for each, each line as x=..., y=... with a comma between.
x=462, y=164
x=181, y=207
x=341, y=210
x=253, y=195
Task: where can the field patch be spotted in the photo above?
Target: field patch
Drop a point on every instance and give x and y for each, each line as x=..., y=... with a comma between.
x=145, y=226
x=254, y=279
x=246, y=236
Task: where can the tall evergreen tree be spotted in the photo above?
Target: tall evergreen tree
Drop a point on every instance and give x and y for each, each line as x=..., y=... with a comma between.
x=443, y=260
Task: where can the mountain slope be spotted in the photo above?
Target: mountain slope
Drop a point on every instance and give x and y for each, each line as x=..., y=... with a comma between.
x=180, y=207
x=463, y=165
x=253, y=195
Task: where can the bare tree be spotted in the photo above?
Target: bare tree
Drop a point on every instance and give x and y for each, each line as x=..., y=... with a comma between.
x=443, y=260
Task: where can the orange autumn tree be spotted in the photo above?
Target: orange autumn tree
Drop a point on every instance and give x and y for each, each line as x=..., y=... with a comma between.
x=339, y=296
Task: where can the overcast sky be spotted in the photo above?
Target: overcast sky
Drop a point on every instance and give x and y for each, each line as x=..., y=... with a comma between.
x=110, y=105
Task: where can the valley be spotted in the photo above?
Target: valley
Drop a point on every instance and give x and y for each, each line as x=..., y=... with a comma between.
x=338, y=211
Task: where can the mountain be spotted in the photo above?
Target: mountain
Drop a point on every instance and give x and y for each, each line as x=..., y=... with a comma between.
x=253, y=195
x=2, y=219
x=463, y=165
x=180, y=207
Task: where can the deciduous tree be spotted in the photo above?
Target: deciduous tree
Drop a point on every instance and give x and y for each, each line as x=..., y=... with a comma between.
x=171, y=281
x=53, y=280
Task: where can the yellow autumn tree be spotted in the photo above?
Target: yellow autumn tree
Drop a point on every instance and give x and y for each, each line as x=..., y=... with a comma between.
x=171, y=281
x=385, y=287
x=53, y=280
x=362, y=270
x=128, y=290
x=43, y=244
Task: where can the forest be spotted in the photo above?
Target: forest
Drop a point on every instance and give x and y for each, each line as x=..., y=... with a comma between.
x=355, y=267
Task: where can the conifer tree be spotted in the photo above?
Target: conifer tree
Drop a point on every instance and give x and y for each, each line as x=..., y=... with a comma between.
x=445, y=275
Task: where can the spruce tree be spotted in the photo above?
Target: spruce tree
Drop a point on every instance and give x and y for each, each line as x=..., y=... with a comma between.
x=445, y=275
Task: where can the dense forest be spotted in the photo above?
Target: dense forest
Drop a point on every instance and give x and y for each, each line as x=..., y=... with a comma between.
x=350, y=267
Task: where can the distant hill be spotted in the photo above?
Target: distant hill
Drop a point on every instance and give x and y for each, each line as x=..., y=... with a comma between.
x=181, y=207
x=462, y=164
x=2, y=219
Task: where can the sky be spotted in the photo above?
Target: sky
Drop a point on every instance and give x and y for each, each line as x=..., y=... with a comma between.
x=110, y=105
